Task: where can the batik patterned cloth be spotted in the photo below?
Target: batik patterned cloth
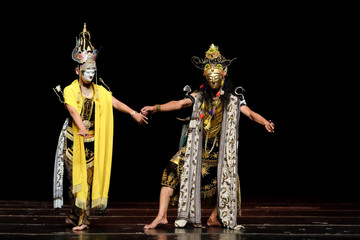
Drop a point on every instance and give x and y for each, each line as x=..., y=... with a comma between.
x=77, y=215
x=228, y=193
x=172, y=173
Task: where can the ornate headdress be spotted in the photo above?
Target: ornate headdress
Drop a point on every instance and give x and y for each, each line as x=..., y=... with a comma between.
x=213, y=61
x=84, y=52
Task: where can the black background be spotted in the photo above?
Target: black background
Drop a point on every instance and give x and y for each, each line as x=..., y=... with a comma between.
x=298, y=64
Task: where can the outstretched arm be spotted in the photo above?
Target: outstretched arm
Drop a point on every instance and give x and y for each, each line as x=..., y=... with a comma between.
x=269, y=126
x=122, y=107
x=167, y=107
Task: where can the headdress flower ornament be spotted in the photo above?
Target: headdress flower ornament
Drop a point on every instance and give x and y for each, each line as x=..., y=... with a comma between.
x=213, y=61
x=84, y=52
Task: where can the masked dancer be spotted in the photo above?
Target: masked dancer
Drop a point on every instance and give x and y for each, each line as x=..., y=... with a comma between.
x=86, y=140
x=205, y=169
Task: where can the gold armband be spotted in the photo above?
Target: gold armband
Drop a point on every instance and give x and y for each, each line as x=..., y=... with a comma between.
x=157, y=108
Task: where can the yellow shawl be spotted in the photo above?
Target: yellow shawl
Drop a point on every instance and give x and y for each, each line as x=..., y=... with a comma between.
x=102, y=147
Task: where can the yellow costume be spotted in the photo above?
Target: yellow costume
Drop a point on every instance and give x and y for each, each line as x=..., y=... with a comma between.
x=102, y=146
x=87, y=160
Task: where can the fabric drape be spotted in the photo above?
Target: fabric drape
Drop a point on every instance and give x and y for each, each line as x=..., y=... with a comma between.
x=102, y=149
x=189, y=207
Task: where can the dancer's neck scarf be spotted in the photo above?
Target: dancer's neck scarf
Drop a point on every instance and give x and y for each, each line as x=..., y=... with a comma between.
x=189, y=208
x=102, y=147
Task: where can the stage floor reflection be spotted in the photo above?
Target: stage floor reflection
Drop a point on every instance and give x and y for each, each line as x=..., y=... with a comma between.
x=262, y=218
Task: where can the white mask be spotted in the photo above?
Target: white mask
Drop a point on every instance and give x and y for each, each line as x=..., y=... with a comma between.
x=89, y=74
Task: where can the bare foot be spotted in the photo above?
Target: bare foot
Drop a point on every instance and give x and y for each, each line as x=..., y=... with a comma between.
x=81, y=227
x=69, y=221
x=157, y=221
x=213, y=222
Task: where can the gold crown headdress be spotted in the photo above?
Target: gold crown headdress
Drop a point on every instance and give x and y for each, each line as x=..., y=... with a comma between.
x=213, y=61
x=84, y=52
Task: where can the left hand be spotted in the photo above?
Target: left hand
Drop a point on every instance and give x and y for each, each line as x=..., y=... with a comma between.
x=139, y=118
x=148, y=110
x=270, y=126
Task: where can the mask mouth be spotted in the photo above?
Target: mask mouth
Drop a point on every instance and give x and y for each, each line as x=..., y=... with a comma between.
x=89, y=79
x=213, y=83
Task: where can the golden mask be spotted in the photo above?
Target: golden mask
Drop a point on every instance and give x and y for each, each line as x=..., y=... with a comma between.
x=214, y=77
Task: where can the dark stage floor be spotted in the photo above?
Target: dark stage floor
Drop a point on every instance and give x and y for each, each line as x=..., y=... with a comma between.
x=262, y=219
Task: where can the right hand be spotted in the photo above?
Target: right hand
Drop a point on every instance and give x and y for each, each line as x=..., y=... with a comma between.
x=148, y=110
x=140, y=118
x=83, y=132
x=270, y=126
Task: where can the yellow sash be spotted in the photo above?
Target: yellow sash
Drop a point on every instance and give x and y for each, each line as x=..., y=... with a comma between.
x=102, y=147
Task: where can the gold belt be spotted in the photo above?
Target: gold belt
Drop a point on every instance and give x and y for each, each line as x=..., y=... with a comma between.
x=88, y=124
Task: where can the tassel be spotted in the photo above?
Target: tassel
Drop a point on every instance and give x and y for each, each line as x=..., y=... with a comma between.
x=207, y=127
x=78, y=96
x=201, y=116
